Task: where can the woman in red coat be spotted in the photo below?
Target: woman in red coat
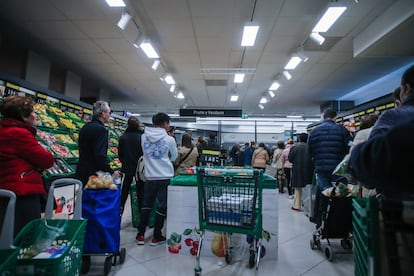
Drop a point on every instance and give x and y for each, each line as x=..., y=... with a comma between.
x=22, y=158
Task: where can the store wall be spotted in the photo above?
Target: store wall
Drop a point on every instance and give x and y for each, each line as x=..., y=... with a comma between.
x=12, y=57
x=104, y=95
x=37, y=69
x=73, y=85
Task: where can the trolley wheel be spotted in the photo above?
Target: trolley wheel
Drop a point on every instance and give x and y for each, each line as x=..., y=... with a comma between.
x=346, y=244
x=252, y=259
x=328, y=253
x=122, y=255
x=228, y=257
x=86, y=264
x=197, y=271
x=107, y=265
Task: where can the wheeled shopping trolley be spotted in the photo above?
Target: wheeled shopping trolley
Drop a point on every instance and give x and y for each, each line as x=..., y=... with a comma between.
x=230, y=201
x=102, y=209
x=336, y=223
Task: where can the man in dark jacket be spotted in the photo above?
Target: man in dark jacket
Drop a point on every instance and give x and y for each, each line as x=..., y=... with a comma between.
x=328, y=144
x=129, y=151
x=93, y=144
x=401, y=114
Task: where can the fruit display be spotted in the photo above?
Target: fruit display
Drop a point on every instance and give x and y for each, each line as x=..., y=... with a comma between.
x=113, y=142
x=73, y=116
x=75, y=153
x=75, y=136
x=79, y=124
x=59, y=167
x=57, y=111
x=46, y=137
x=47, y=121
x=39, y=108
x=67, y=123
x=115, y=163
x=65, y=139
x=61, y=151
x=114, y=150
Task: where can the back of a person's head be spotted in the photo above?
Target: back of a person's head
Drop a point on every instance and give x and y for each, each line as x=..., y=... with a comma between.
x=408, y=78
x=329, y=114
x=368, y=121
x=247, y=144
x=160, y=118
x=253, y=143
x=186, y=140
x=133, y=122
x=396, y=94
x=99, y=107
x=290, y=141
x=280, y=144
x=262, y=145
x=16, y=107
x=303, y=137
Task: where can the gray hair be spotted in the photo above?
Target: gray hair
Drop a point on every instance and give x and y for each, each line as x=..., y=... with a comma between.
x=99, y=107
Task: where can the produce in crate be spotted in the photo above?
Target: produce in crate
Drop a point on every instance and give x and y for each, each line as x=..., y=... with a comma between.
x=65, y=138
x=46, y=137
x=57, y=111
x=59, y=167
x=103, y=181
x=61, y=151
x=40, y=108
x=47, y=121
x=67, y=123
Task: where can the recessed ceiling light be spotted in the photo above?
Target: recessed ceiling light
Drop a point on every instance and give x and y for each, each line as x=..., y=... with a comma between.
x=261, y=106
x=317, y=38
x=287, y=75
x=180, y=95
x=328, y=19
x=293, y=62
x=263, y=100
x=271, y=93
x=123, y=22
x=249, y=35
x=275, y=86
x=148, y=49
x=115, y=3
x=238, y=78
x=172, y=88
x=155, y=64
x=234, y=98
x=169, y=79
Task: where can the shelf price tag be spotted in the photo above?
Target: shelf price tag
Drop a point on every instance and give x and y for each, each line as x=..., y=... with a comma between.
x=41, y=98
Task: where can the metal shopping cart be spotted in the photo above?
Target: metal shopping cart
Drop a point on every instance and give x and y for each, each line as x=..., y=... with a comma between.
x=230, y=201
x=8, y=253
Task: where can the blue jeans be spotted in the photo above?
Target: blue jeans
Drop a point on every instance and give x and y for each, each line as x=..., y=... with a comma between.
x=154, y=190
x=324, y=180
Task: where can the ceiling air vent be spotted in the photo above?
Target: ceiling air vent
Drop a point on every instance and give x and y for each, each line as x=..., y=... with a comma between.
x=216, y=82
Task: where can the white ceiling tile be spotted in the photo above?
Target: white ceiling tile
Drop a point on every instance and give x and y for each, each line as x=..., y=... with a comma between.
x=173, y=44
x=79, y=9
x=60, y=30
x=23, y=10
x=118, y=45
x=83, y=46
x=95, y=58
x=99, y=28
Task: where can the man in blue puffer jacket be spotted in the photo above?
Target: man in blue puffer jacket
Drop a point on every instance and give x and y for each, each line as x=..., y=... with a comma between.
x=328, y=144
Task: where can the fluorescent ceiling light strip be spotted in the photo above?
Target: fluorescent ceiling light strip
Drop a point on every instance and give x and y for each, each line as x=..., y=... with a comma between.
x=172, y=88
x=149, y=49
x=275, y=86
x=234, y=98
x=294, y=116
x=293, y=62
x=271, y=93
x=261, y=106
x=169, y=79
x=328, y=19
x=238, y=78
x=263, y=100
x=249, y=35
x=115, y=3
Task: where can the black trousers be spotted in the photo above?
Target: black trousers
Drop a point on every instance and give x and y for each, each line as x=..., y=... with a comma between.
x=27, y=209
x=126, y=185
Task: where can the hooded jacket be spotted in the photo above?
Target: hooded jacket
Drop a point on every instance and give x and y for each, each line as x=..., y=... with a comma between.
x=159, y=151
x=22, y=158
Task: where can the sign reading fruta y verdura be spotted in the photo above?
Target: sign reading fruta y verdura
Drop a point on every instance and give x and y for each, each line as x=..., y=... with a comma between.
x=211, y=112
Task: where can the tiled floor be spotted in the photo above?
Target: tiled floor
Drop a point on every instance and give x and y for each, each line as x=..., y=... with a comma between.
x=295, y=256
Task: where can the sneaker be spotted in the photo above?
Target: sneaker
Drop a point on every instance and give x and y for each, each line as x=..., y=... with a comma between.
x=140, y=240
x=290, y=197
x=157, y=241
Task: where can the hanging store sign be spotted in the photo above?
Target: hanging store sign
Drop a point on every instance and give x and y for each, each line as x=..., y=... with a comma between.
x=211, y=112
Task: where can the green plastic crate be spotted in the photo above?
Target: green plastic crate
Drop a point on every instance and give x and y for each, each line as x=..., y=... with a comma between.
x=134, y=208
x=8, y=261
x=68, y=263
x=365, y=233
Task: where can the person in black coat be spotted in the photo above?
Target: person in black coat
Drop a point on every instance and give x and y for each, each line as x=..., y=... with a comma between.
x=302, y=170
x=129, y=151
x=93, y=144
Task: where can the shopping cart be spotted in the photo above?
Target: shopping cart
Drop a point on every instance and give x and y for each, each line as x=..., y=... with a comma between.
x=8, y=253
x=398, y=229
x=102, y=209
x=230, y=201
x=53, y=245
x=336, y=223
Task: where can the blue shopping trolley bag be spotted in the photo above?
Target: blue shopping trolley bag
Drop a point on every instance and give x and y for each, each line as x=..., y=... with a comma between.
x=102, y=210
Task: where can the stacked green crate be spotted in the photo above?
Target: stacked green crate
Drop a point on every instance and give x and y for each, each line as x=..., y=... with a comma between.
x=365, y=233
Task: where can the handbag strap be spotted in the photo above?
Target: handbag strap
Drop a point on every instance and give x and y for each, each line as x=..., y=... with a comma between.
x=185, y=157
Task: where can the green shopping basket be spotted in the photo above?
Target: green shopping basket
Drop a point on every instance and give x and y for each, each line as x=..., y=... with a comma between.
x=66, y=261
x=8, y=259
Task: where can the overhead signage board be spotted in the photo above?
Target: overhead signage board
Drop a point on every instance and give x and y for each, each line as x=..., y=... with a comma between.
x=211, y=112
x=183, y=120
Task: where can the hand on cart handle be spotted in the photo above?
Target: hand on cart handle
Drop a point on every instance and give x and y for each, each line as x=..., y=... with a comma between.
x=117, y=177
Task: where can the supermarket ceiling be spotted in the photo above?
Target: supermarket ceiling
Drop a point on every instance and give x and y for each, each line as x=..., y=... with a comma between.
x=198, y=42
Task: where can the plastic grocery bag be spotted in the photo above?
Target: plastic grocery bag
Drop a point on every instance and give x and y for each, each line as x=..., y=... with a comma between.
x=342, y=168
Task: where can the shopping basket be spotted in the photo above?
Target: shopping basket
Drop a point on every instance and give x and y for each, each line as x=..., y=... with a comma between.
x=54, y=245
x=230, y=201
x=8, y=253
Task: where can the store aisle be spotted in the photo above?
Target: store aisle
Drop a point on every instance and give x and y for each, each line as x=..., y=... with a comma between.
x=295, y=256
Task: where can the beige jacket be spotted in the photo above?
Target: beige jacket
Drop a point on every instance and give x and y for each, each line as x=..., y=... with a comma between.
x=189, y=162
x=260, y=158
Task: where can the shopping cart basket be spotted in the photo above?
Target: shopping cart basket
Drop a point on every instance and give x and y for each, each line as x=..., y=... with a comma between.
x=336, y=223
x=398, y=229
x=54, y=245
x=230, y=201
x=8, y=253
